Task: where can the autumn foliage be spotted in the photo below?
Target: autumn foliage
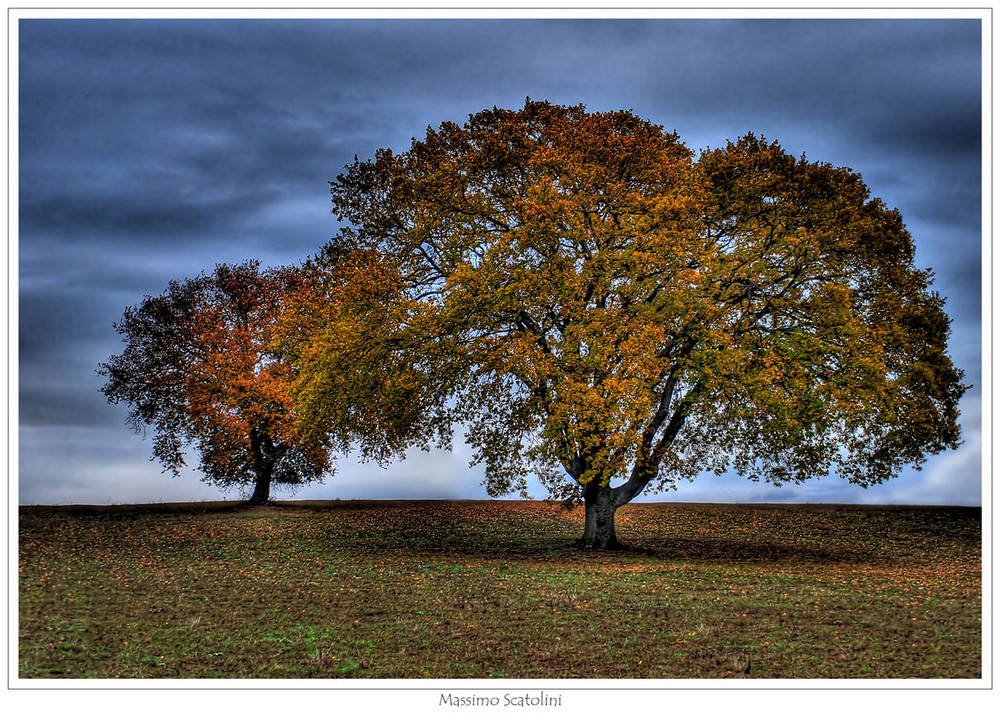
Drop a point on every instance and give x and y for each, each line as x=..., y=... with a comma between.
x=602, y=303
x=363, y=382
x=584, y=299
x=200, y=369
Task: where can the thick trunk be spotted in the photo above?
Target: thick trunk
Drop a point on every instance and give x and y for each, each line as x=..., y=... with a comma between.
x=600, y=504
x=263, y=462
x=262, y=487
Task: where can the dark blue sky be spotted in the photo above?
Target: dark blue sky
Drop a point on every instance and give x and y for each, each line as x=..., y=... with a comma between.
x=150, y=150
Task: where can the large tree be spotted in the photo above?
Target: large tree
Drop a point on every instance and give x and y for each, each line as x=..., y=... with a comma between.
x=201, y=370
x=613, y=314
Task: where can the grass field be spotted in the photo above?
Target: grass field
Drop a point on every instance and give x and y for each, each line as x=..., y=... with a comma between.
x=498, y=590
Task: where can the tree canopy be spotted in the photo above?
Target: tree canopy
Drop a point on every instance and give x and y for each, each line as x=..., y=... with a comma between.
x=587, y=297
x=201, y=370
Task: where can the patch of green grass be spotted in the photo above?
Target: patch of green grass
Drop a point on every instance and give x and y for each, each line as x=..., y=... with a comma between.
x=498, y=590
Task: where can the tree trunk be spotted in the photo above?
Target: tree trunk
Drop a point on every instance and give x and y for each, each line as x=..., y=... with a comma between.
x=600, y=504
x=262, y=487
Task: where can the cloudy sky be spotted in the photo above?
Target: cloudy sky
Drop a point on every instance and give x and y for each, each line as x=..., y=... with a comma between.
x=150, y=150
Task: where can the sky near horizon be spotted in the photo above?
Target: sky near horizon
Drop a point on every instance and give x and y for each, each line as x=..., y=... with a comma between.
x=150, y=150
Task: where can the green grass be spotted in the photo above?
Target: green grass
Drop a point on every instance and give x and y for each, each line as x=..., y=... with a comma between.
x=498, y=590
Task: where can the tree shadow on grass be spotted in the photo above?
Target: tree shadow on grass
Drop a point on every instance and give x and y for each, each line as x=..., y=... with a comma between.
x=734, y=550
x=567, y=549
x=548, y=532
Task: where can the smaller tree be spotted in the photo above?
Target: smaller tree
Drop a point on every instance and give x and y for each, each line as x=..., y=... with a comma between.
x=201, y=370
